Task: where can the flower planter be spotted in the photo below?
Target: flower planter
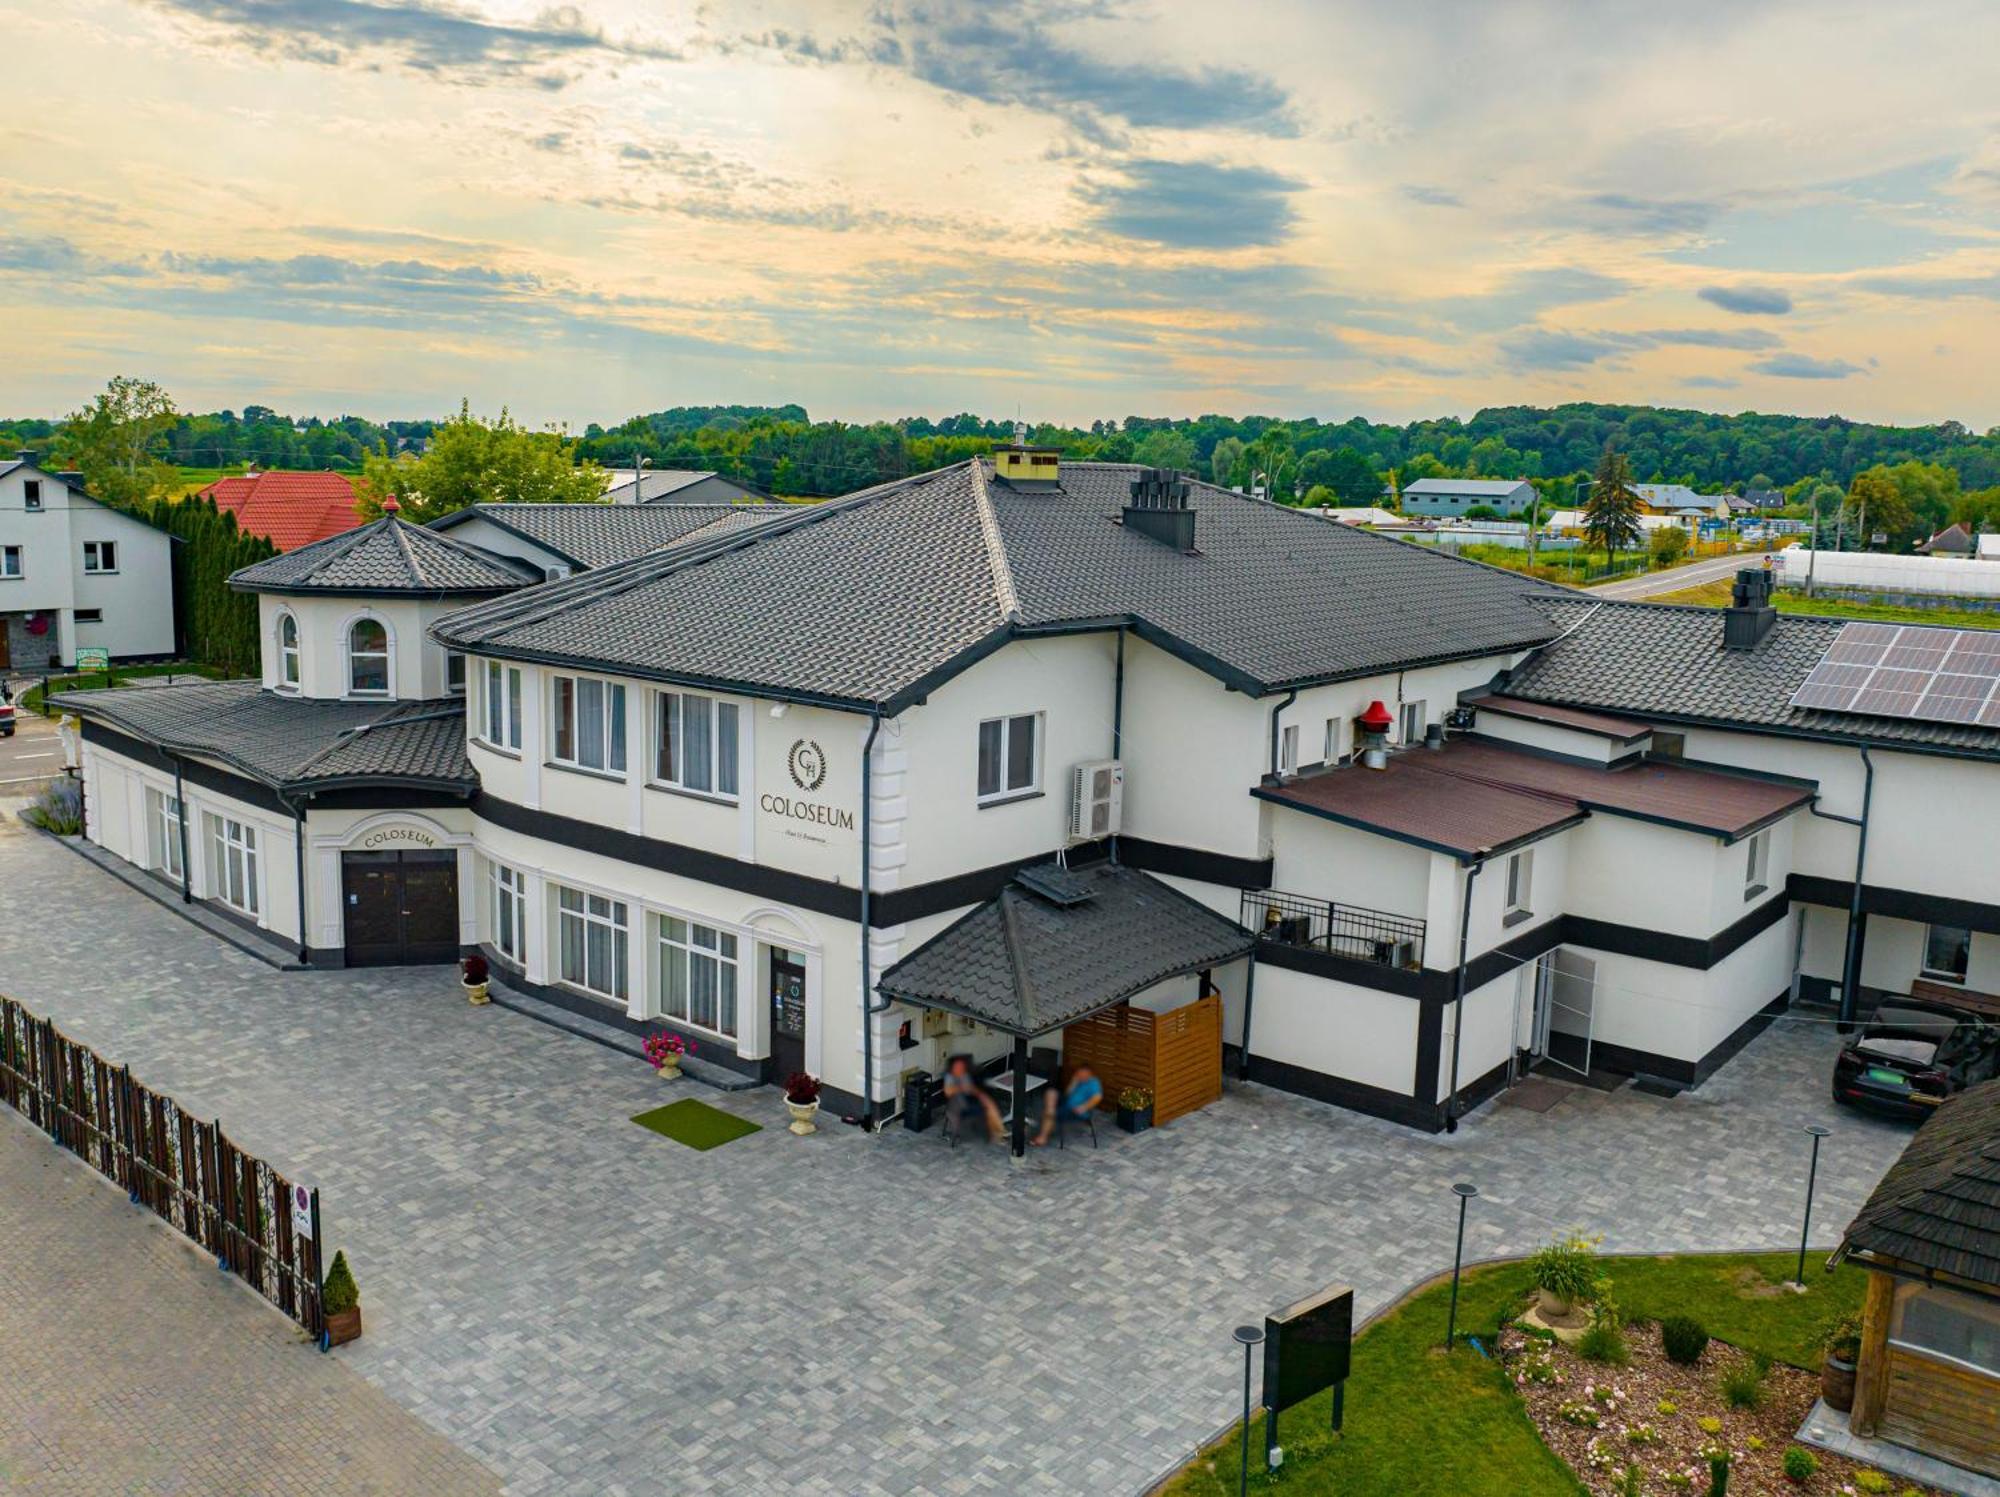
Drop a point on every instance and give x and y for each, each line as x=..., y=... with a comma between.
x=343, y=1326
x=670, y=1068
x=803, y=1114
x=1836, y=1383
x=1553, y=1306
x=475, y=993
x=1135, y=1119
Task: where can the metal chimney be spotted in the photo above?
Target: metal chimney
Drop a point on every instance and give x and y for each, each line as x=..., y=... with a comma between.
x=1749, y=616
x=1159, y=508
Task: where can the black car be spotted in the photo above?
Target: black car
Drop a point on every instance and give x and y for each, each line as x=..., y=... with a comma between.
x=1912, y=1055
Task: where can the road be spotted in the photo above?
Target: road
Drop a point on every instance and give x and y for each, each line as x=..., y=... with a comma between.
x=1653, y=584
x=32, y=755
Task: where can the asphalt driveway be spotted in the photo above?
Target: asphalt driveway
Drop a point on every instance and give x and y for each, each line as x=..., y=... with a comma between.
x=588, y=1307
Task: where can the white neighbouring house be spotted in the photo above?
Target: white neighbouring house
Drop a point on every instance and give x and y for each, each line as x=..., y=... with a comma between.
x=795, y=788
x=74, y=571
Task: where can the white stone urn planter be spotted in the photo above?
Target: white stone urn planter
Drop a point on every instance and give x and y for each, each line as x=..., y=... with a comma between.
x=803, y=1114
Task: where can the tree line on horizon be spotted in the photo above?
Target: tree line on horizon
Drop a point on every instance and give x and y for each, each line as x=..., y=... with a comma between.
x=131, y=442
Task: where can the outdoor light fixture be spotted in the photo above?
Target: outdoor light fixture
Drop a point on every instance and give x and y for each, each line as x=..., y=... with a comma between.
x=1249, y=1337
x=1464, y=1193
x=1818, y=1132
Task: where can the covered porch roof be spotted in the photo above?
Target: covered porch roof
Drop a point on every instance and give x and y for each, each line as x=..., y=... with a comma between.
x=1057, y=945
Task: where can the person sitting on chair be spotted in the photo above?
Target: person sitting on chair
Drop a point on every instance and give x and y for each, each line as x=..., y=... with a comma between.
x=1081, y=1095
x=966, y=1100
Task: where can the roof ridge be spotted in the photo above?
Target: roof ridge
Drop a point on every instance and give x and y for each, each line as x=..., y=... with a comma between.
x=396, y=528
x=996, y=551
x=1010, y=941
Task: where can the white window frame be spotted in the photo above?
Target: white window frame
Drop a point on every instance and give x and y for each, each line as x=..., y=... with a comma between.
x=509, y=913
x=1335, y=747
x=1009, y=726
x=387, y=654
x=1757, y=864
x=1941, y=974
x=567, y=721
x=454, y=665
x=13, y=563
x=1288, y=749
x=1520, y=888
x=577, y=914
x=696, y=948
x=291, y=658
x=166, y=815
x=500, y=706
x=671, y=740
x=90, y=615
x=1410, y=721
x=31, y=495
x=234, y=872
x=100, y=558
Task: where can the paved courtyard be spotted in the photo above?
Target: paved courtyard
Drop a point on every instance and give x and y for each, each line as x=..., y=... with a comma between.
x=588, y=1307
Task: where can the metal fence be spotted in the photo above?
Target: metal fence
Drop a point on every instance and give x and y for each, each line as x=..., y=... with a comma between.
x=1359, y=934
x=184, y=1170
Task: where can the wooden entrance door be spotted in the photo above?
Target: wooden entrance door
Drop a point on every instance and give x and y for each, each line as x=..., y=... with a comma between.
x=788, y=1018
x=399, y=908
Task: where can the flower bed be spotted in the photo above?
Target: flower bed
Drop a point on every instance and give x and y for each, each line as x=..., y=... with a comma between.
x=1661, y=1417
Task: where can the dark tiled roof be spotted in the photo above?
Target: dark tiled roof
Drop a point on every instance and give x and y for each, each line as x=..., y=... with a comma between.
x=385, y=557
x=1028, y=964
x=290, y=742
x=868, y=600
x=1624, y=730
x=1474, y=796
x=1658, y=660
x=597, y=535
x=1938, y=1207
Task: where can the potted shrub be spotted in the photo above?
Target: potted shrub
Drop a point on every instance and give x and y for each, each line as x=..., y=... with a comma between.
x=664, y=1051
x=472, y=975
x=1135, y=1109
x=1836, y=1372
x=341, y=1301
x=802, y=1101
x=1564, y=1272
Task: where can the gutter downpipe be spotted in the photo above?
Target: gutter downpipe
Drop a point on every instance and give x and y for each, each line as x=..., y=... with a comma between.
x=187, y=867
x=1118, y=720
x=1290, y=697
x=299, y=859
x=1458, y=993
x=868, y=1006
x=1850, y=974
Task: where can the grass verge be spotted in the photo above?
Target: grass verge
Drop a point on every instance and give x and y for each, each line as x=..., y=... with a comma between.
x=1421, y=1424
x=1716, y=595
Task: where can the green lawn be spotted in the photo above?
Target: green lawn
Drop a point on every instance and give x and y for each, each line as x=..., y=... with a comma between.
x=31, y=699
x=1420, y=1424
x=1788, y=600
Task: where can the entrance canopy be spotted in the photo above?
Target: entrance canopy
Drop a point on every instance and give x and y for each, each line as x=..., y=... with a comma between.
x=1059, y=944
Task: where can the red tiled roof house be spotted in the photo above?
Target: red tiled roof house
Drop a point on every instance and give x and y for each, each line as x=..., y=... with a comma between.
x=292, y=509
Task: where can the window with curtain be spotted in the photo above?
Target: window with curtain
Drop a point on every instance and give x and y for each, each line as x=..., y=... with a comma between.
x=587, y=723
x=1008, y=762
x=167, y=834
x=288, y=652
x=368, y=658
x=594, y=943
x=502, y=687
x=694, y=743
x=235, y=863
x=697, y=975
x=510, y=913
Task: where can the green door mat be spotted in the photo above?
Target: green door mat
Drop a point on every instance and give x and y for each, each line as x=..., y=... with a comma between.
x=696, y=1124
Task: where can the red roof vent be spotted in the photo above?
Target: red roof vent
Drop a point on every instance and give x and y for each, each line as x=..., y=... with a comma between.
x=389, y=505
x=1377, y=719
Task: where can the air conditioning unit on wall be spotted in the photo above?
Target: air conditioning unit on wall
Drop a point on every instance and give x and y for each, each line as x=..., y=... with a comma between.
x=1096, y=800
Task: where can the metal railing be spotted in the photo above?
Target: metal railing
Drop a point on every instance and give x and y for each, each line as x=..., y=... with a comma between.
x=1344, y=930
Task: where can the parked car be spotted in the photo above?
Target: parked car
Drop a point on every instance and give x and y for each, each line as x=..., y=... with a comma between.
x=1912, y=1055
x=6, y=714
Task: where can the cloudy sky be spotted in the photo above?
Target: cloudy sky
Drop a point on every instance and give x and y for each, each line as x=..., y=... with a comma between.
x=1076, y=208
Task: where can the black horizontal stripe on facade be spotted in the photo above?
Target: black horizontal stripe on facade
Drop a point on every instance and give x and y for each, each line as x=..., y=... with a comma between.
x=1895, y=904
x=843, y=901
x=193, y=771
x=1435, y=985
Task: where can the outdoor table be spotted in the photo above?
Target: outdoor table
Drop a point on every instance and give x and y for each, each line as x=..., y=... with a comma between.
x=1001, y=1088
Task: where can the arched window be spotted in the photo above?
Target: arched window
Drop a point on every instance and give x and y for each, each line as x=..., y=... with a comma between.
x=288, y=652
x=368, y=658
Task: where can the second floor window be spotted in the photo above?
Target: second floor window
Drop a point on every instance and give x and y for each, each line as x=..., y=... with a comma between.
x=503, y=705
x=1009, y=757
x=1757, y=865
x=694, y=740
x=31, y=493
x=454, y=673
x=288, y=653
x=100, y=556
x=368, y=658
x=587, y=723
x=1412, y=723
x=10, y=561
x=1288, y=749
x=1520, y=884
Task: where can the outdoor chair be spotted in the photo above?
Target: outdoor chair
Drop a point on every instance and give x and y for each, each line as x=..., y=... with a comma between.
x=1062, y=1127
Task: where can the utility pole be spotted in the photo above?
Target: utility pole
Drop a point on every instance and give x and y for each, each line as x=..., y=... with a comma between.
x=1812, y=556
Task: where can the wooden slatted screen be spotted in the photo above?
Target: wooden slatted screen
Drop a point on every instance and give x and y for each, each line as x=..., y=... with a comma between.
x=1176, y=1056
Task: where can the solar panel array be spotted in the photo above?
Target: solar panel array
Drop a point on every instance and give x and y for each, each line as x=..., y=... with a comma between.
x=1888, y=670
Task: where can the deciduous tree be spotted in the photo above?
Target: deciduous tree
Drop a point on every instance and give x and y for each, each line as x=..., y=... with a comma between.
x=471, y=460
x=117, y=441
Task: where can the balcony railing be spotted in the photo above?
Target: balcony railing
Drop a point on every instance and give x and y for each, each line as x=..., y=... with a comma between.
x=1345, y=930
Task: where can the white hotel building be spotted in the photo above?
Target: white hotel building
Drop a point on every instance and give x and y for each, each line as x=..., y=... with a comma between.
x=772, y=779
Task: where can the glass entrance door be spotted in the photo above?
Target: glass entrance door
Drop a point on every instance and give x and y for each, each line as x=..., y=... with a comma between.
x=788, y=1016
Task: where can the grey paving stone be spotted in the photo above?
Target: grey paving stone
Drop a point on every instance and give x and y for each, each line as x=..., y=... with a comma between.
x=587, y=1306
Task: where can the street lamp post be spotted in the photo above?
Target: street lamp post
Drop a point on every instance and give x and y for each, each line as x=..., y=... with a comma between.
x=1249, y=1337
x=1812, y=1175
x=1464, y=1193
